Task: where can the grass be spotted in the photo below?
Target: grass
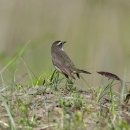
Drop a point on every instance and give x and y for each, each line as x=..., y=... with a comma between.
x=55, y=103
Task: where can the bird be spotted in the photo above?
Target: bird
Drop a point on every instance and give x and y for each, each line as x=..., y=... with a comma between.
x=62, y=62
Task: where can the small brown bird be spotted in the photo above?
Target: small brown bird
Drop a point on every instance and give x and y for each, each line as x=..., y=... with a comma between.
x=62, y=62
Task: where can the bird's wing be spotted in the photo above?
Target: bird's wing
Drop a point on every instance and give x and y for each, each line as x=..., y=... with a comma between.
x=67, y=62
x=62, y=61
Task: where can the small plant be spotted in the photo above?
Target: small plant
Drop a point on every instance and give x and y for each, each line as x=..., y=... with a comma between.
x=105, y=93
x=103, y=90
x=25, y=118
x=74, y=101
x=109, y=75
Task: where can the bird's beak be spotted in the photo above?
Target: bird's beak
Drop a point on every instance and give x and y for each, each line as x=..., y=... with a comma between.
x=64, y=42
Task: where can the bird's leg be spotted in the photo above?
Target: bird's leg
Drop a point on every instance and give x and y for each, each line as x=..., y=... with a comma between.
x=52, y=76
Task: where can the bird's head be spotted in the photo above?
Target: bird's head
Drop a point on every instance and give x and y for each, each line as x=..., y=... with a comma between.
x=59, y=44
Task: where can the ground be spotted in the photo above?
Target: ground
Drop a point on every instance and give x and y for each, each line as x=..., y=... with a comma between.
x=56, y=104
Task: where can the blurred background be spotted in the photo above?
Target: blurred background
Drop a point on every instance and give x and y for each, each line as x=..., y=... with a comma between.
x=97, y=34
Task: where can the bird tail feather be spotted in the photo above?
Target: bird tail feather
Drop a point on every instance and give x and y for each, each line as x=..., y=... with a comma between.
x=82, y=71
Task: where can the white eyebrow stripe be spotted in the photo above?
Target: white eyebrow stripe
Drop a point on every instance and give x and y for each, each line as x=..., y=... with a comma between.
x=59, y=43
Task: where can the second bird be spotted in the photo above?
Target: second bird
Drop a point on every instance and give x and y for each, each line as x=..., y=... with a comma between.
x=62, y=62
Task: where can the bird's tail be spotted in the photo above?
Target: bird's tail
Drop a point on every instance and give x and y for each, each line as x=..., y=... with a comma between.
x=82, y=71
